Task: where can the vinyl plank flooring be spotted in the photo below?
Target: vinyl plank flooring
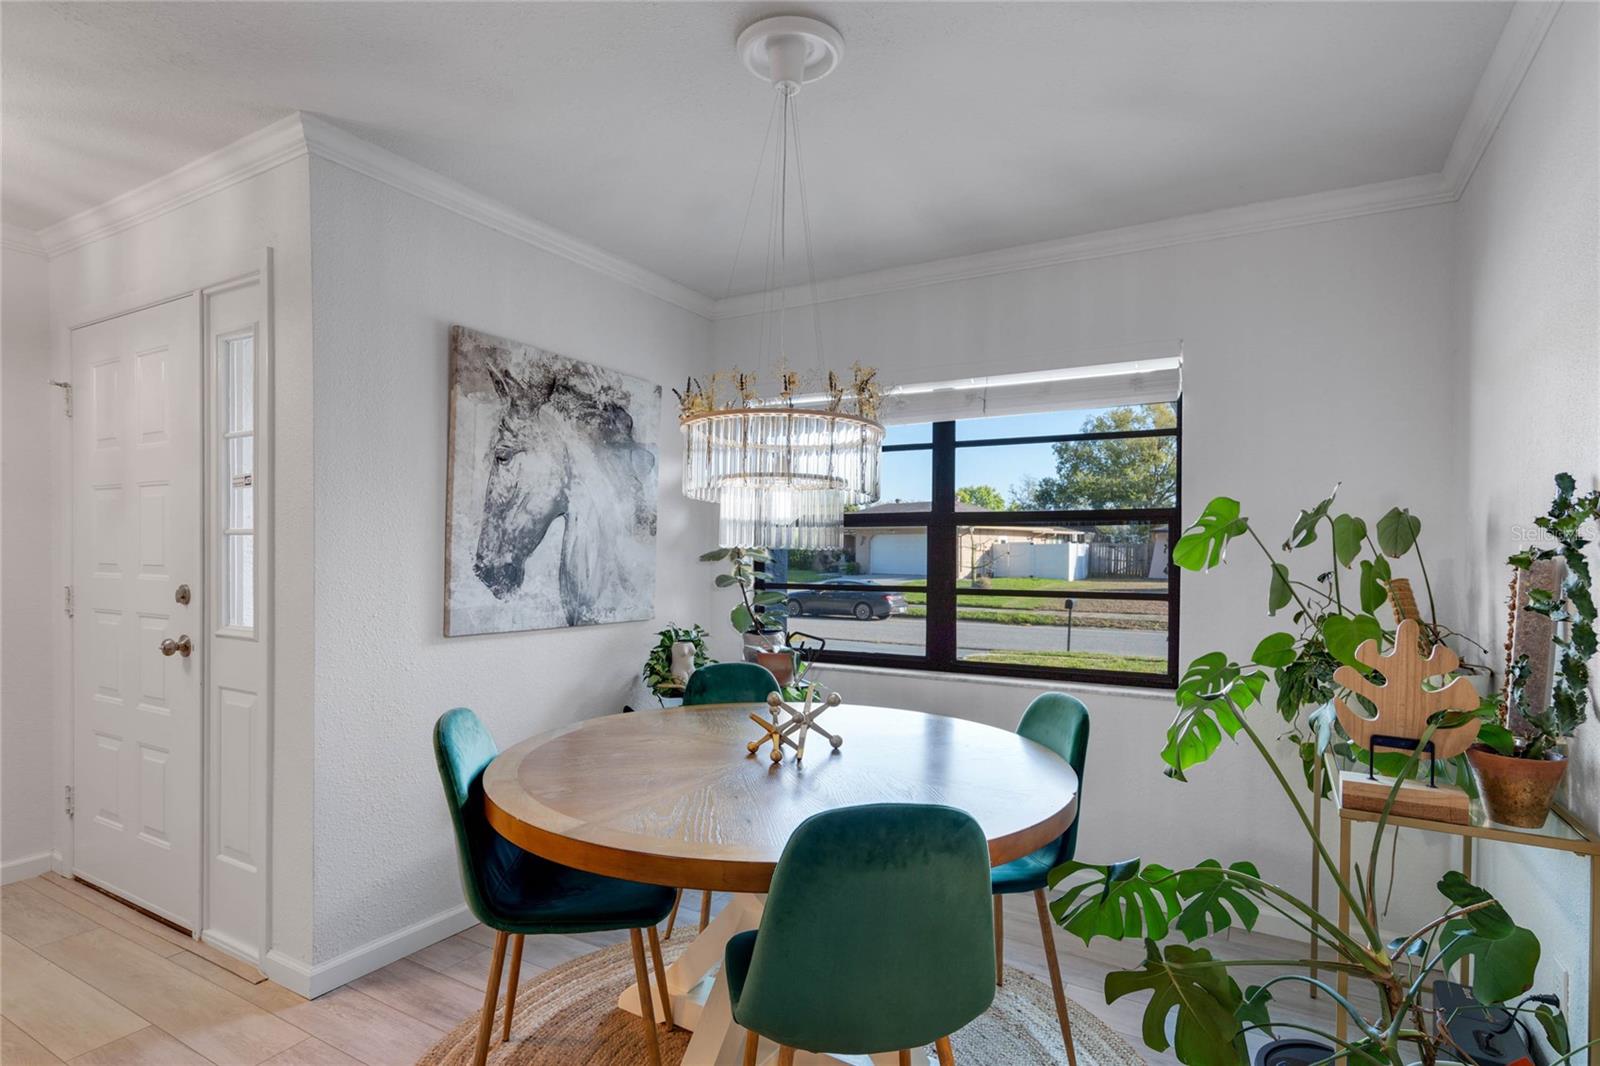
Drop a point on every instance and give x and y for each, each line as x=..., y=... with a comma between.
x=360, y=1026
x=33, y=919
x=65, y=1015
x=148, y=1047
x=312, y=1052
x=17, y=1048
x=422, y=993
x=103, y=918
x=158, y=929
x=218, y=1024
x=447, y=953
x=267, y=995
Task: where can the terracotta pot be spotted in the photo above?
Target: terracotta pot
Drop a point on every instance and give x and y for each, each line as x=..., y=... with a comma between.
x=1516, y=791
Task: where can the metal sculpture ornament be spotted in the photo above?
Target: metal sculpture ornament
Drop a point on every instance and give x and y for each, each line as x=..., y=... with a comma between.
x=787, y=726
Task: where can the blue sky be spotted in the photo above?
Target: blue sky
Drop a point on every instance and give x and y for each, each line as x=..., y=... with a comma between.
x=906, y=475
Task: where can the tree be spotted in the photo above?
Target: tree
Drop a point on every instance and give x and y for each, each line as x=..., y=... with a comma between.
x=986, y=496
x=1096, y=474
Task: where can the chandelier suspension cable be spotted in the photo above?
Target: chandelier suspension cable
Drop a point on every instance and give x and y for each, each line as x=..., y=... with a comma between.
x=805, y=225
x=750, y=202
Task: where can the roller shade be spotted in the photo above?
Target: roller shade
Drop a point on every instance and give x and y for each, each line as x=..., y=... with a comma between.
x=1037, y=392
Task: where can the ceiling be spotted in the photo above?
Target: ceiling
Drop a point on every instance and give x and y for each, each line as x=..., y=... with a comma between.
x=948, y=129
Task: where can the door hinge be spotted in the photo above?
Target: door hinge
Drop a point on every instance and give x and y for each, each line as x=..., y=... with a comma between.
x=66, y=394
x=67, y=604
x=71, y=810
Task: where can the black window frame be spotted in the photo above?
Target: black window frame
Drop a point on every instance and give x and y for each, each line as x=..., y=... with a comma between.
x=942, y=522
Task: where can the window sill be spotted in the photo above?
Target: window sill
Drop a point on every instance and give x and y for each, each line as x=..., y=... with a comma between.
x=1156, y=695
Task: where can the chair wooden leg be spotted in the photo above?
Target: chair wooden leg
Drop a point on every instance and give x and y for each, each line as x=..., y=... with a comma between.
x=672, y=919
x=647, y=1007
x=490, y=994
x=905, y=1057
x=999, y=941
x=785, y=1056
x=752, y=1041
x=1047, y=933
x=511, y=986
x=705, y=909
x=661, y=977
x=947, y=1054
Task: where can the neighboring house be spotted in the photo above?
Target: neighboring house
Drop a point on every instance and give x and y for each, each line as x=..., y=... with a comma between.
x=989, y=551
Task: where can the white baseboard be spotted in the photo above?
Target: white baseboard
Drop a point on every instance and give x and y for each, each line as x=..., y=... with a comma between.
x=312, y=981
x=28, y=866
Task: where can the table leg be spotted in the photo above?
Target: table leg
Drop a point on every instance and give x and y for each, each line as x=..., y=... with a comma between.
x=1594, y=953
x=700, y=998
x=1466, y=871
x=1341, y=1020
x=1316, y=867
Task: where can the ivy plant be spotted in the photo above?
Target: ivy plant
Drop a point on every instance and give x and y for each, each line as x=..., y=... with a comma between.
x=657, y=672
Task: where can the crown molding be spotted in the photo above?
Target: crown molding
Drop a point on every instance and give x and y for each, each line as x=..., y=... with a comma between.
x=242, y=160
x=18, y=239
x=1525, y=30
x=1331, y=206
x=327, y=141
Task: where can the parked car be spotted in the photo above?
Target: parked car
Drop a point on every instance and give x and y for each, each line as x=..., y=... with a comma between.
x=846, y=595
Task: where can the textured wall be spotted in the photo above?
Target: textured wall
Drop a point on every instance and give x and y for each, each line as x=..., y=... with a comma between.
x=1312, y=355
x=392, y=274
x=1530, y=358
x=30, y=601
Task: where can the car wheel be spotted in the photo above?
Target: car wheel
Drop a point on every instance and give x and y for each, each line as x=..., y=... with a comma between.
x=796, y=608
x=864, y=612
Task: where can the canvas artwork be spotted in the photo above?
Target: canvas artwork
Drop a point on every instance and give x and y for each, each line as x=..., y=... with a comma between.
x=551, y=501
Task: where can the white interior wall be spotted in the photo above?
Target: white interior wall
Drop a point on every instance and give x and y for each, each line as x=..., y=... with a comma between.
x=1527, y=244
x=29, y=597
x=1312, y=355
x=392, y=274
x=202, y=242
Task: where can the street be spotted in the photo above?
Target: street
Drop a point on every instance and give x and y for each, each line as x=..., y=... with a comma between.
x=905, y=636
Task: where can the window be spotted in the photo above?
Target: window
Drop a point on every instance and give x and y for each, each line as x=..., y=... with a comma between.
x=236, y=377
x=1022, y=546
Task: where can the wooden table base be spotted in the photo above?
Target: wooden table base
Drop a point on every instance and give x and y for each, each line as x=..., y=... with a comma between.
x=700, y=999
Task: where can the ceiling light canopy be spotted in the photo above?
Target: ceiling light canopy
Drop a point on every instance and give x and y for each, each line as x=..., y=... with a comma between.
x=782, y=474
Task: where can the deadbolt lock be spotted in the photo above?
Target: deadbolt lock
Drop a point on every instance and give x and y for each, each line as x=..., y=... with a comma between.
x=182, y=595
x=182, y=646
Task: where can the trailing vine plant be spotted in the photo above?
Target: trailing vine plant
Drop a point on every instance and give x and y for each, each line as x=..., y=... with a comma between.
x=657, y=670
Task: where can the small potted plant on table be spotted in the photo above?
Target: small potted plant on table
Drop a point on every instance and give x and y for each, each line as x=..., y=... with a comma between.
x=1519, y=775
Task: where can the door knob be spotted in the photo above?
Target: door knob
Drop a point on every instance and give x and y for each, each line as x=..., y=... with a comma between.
x=182, y=646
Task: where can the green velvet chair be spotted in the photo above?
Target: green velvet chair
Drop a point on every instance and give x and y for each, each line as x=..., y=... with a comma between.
x=515, y=892
x=730, y=683
x=1059, y=722
x=875, y=937
x=723, y=683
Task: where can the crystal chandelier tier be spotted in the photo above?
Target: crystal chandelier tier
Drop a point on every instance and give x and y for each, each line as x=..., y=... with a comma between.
x=782, y=469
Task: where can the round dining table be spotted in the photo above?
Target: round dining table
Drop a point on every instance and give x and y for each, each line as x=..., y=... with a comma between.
x=677, y=797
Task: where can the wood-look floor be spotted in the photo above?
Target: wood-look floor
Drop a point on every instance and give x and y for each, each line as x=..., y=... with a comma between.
x=86, y=981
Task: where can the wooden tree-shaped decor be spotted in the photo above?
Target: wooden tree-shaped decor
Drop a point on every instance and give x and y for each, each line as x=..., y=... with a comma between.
x=1404, y=707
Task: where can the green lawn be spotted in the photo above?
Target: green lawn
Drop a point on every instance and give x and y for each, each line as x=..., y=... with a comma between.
x=1036, y=617
x=1075, y=660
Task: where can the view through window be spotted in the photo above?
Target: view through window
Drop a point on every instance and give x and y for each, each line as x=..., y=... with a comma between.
x=1022, y=545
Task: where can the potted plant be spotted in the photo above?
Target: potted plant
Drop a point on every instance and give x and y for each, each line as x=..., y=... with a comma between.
x=1518, y=776
x=754, y=617
x=1160, y=905
x=678, y=653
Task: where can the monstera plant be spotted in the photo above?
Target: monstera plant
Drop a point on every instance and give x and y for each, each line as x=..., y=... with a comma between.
x=1213, y=1003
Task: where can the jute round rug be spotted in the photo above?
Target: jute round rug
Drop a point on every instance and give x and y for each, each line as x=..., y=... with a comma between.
x=568, y=1015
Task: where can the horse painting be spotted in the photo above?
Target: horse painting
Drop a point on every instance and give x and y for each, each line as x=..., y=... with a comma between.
x=552, y=493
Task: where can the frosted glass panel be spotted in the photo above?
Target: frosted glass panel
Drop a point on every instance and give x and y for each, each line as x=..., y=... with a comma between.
x=236, y=419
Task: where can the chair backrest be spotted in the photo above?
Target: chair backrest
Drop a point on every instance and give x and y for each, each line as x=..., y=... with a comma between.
x=463, y=749
x=1060, y=722
x=730, y=683
x=878, y=932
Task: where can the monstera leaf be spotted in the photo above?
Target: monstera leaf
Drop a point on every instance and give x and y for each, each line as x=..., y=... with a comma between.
x=1274, y=651
x=1123, y=899
x=1344, y=635
x=1305, y=526
x=1209, y=695
x=1374, y=583
x=1504, y=954
x=1348, y=533
x=1397, y=532
x=1189, y=981
x=1212, y=896
x=1205, y=544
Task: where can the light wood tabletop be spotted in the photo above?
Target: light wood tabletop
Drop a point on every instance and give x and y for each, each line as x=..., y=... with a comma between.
x=672, y=797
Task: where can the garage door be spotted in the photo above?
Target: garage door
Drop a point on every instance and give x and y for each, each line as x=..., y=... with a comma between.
x=900, y=554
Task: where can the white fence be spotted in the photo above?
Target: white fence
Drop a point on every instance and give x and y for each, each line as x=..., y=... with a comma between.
x=1065, y=562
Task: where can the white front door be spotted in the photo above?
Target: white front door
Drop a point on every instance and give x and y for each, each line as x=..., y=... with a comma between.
x=137, y=586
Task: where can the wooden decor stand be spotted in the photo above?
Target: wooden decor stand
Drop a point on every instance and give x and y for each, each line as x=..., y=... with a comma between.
x=801, y=721
x=1404, y=708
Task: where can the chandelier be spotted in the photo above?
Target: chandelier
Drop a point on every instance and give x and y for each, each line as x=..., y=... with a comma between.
x=782, y=469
